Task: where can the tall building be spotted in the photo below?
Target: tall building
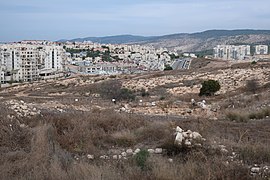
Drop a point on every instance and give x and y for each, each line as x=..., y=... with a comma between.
x=261, y=49
x=24, y=62
x=55, y=59
x=231, y=52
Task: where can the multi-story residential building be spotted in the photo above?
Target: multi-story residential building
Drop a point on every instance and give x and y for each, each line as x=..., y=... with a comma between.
x=231, y=52
x=11, y=59
x=1, y=74
x=24, y=62
x=261, y=49
x=55, y=58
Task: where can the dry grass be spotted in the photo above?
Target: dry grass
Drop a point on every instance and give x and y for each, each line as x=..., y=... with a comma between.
x=55, y=138
x=244, y=116
x=254, y=153
x=45, y=149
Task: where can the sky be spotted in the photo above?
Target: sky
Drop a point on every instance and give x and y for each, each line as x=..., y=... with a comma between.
x=68, y=19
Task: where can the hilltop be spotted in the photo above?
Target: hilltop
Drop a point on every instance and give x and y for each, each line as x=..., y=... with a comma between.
x=189, y=42
x=69, y=128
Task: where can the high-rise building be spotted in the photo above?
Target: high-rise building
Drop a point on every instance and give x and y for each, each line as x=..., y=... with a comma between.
x=261, y=49
x=24, y=62
x=231, y=52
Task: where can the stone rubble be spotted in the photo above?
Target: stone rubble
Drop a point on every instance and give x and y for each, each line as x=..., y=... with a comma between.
x=22, y=109
x=187, y=138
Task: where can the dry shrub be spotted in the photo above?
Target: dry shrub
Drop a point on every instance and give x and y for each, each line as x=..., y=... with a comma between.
x=124, y=138
x=260, y=114
x=113, y=89
x=237, y=116
x=12, y=136
x=254, y=153
x=155, y=131
x=252, y=85
x=33, y=164
x=241, y=116
x=165, y=104
x=212, y=168
x=86, y=132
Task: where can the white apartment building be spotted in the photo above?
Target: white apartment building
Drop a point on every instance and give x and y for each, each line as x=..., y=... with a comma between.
x=55, y=58
x=231, y=52
x=261, y=49
x=23, y=62
x=1, y=75
x=11, y=57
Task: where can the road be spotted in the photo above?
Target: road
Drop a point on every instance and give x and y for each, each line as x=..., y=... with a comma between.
x=182, y=63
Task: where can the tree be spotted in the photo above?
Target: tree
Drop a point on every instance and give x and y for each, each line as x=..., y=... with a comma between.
x=168, y=68
x=209, y=87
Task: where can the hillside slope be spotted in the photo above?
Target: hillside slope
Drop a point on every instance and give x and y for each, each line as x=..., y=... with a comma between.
x=189, y=42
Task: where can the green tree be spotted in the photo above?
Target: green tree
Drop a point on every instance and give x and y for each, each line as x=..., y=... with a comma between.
x=209, y=87
x=168, y=68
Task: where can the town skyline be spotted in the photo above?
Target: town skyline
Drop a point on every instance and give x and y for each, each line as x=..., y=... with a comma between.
x=54, y=20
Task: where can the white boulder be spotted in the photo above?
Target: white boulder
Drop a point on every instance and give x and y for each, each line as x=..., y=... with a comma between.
x=129, y=152
x=158, y=150
x=89, y=156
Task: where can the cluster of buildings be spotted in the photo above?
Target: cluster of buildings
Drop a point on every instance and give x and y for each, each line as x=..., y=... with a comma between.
x=28, y=61
x=123, y=57
x=241, y=52
x=108, y=68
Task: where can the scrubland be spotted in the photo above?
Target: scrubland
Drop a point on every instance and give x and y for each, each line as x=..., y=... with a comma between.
x=63, y=129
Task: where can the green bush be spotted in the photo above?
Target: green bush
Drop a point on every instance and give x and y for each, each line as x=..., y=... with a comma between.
x=253, y=62
x=168, y=68
x=141, y=157
x=144, y=92
x=125, y=94
x=209, y=87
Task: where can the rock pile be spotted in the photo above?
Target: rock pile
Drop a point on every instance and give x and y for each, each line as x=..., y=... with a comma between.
x=188, y=138
x=125, y=154
x=22, y=109
x=262, y=171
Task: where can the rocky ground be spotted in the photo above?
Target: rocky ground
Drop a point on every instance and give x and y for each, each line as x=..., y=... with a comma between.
x=71, y=129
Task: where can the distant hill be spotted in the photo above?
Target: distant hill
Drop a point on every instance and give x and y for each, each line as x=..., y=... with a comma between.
x=189, y=42
x=119, y=39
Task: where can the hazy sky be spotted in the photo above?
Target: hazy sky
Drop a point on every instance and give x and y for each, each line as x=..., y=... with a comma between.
x=67, y=19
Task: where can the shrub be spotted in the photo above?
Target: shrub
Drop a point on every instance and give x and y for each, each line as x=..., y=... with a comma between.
x=168, y=68
x=141, y=158
x=254, y=153
x=252, y=85
x=162, y=98
x=144, y=92
x=123, y=139
x=125, y=94
x=112, y=76
x=260, y=114
x=209, y=87
x=113, y=89
x=237, y=116
x=253, y=62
